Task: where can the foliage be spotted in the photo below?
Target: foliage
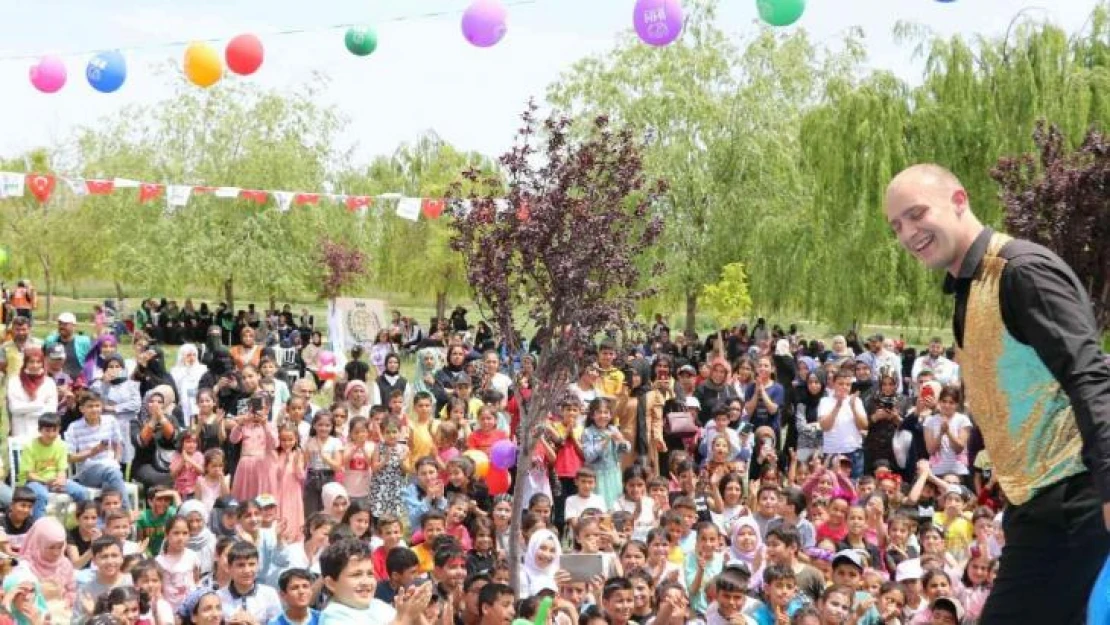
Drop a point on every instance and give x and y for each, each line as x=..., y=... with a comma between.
x=340, y=265
x=728, y=299
x=1057, y=198
x=564, y=247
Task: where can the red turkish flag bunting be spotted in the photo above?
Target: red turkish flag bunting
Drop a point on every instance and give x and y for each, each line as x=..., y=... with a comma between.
x=200, y=190
x=432, y=209
x=355, y=202
x=148, y=192
x=100, y=187
x=303, y=199
x=41, y=186
x=258, y=197
x=522, y=211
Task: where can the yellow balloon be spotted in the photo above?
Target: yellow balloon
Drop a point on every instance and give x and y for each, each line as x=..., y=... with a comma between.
x=481, y=461
x=202, y=65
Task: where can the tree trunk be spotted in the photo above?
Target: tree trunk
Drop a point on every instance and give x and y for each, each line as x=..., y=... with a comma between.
x=49, y=280
x=229, y=294
x=691, y=312
x=119, y=293
x=441, y=305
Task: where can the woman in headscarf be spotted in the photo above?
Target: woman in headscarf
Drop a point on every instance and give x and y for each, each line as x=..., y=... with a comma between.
x=31, y=394
x=103, y=349
x=201, y=539
x=224, y=519
x=446, y=376
x=43, y=556
x=541, y=563
x=154, y=435
x=391, y=379
x=428, y=361
x=187, y=374
x=840, y=350
x=631, y=415
x=715, y=390
x=808, y=397
x=662, y=391
x=119, y=396
x=27, y=605
x=150, y=370
x=335, y=500
x=359, y=399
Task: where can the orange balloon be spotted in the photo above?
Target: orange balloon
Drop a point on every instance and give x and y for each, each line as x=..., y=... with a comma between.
x=481, y=461
x=202, y=64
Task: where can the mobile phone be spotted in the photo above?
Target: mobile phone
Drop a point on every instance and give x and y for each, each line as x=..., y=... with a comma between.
x=927, y=393
x=257, y=404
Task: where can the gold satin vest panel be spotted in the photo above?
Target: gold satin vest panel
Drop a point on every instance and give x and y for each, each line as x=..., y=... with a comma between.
x=1025, y=416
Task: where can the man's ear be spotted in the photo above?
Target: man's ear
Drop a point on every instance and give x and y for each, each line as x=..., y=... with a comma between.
x=959, y=198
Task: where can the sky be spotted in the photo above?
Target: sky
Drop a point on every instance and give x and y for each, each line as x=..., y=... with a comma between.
x=424, y=75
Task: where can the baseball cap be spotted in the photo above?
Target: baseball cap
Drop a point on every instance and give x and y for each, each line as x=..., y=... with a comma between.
x=67, y=317
x=687, y=369
x=950, y=604
x=265, y=500
x=956, y=489
x=56, y=352
x=462, y=379
x=909, y=570
x=853, y=556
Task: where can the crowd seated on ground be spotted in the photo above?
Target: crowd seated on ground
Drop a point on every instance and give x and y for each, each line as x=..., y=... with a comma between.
x=750, y=476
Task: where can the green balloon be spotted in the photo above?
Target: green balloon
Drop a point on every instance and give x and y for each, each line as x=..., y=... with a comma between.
x=781, y=12
x=361, y=41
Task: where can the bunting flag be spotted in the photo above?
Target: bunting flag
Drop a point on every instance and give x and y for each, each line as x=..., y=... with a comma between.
x=522, y=211
x=100, y=187
x=432, y=208
x=148, y=192
x=42, y=186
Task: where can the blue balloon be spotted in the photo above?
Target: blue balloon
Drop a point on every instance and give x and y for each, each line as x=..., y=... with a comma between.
x=107, y=71
x=1098, y=606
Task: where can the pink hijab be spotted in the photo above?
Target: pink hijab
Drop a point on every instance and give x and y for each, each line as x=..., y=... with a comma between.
x=45, y=532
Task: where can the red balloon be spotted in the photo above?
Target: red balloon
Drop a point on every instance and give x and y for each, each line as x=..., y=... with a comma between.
x=244, y=54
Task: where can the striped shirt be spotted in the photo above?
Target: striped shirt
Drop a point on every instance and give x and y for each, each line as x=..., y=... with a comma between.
x=81, y=436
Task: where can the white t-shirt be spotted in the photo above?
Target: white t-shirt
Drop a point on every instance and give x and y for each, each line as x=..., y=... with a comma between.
x=643, y=524
x=575, y=505
x=331, y=447
x=178, y=575
x=946, y=460
x=844, y=437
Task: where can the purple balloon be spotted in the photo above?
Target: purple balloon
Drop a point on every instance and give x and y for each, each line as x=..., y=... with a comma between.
x=503, y=455
x=483, y=23
x=658, y=22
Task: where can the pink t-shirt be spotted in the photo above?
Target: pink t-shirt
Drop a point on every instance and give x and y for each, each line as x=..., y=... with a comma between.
x=179, y=577
x=186, y=481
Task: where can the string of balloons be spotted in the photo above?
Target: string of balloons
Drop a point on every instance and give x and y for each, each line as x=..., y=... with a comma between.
x=483, y=24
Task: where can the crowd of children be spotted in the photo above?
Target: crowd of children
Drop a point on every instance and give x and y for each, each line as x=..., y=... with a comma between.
x=746, y=488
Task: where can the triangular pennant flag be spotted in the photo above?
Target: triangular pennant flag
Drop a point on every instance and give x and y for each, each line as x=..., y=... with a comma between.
x=432, y=209
x=148, y=192
x=76, y=186
x=409, y=208
x=283, y=199
x=12, y=184
x=357, y=202
x=227, y=193
x=41, y=186
x=251, y=195
x=126, y=183
x=202, y=189
x=177, y=195
x=501, y=205
x=303, y=199
x=338, y=198
x=100, y=187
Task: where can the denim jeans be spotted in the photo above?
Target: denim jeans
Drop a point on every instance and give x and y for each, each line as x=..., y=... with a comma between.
x=104, y=476
x=857, y=463
x=75, y=491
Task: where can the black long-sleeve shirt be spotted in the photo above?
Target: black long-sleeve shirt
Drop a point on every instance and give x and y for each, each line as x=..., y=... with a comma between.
x=1045, y=306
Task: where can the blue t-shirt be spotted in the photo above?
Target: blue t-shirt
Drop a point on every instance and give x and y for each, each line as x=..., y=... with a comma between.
x=761, y=416
x=313, y=619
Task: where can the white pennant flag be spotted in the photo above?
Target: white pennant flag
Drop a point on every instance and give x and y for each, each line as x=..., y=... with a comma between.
x=409, y=208
x=226, y=193
x=77, y=185
x=12, y=184
x=125, y=183
x=177, y=195
x=283, y=199
x=501, y=205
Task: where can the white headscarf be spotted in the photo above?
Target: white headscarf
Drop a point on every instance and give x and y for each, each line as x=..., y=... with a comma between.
x=187, y=378
x=533, y=579
x=782, y=347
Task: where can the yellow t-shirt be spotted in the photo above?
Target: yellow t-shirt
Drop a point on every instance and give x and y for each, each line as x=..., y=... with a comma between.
x=610, y=382
x=958, y=534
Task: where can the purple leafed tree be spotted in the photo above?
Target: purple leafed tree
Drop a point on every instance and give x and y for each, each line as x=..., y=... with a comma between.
x=340, y=265
x=1060, y=199
x=555, y=240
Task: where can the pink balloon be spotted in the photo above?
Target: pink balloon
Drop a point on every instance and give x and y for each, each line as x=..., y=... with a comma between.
x=49, y=74
x=658, y=22
x=326, y=358
x=483, y=23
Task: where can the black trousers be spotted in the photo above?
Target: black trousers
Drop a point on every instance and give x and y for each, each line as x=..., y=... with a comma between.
x=1056, y=545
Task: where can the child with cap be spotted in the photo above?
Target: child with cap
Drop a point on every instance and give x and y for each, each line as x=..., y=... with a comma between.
x=847, y=570
x=909, y=574
x=162, y=504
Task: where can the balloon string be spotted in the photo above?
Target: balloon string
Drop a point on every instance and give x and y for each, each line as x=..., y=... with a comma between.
x=277, y=33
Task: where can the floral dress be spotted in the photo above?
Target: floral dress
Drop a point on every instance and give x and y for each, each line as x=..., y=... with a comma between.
x=387, y=483
x=603, y=456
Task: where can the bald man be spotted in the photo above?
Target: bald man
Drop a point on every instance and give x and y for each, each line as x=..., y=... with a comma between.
x=1037, y=386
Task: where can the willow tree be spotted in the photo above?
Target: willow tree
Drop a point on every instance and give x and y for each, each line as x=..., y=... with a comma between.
x=563, y=251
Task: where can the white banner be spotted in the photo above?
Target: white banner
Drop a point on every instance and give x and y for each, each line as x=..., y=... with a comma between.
x=354, y=322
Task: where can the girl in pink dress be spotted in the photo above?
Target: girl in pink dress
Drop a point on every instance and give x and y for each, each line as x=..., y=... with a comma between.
x=289, y=475
x=254, y=473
